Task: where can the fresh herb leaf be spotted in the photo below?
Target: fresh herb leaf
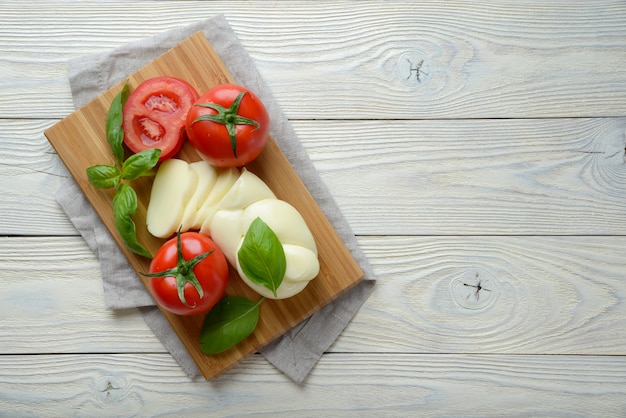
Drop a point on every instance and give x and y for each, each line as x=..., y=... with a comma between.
x=114, y=131
x=228, y=323
x=104, y=176
x=139, y=164
x=262, y=257
x=124, y=207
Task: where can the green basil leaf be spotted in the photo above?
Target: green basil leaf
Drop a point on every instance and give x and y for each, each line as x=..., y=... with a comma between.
x=104, y=176
x=230, y=321
x=139, y=164
x=124, y=207
x=114, y=131
x=261, y=256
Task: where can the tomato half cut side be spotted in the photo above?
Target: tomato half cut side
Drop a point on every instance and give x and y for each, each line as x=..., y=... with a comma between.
x=155, y=114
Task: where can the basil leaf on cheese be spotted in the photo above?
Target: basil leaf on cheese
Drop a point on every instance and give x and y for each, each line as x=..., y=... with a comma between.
x=261, y=256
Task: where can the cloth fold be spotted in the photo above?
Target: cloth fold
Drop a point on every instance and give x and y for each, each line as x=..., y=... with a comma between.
x=298, y=350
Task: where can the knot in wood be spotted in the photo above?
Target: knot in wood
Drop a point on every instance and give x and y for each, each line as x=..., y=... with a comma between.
x=414, y=68
x=474, y=289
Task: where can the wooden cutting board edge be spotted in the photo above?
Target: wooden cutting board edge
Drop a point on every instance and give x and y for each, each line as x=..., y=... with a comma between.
x=308, y=207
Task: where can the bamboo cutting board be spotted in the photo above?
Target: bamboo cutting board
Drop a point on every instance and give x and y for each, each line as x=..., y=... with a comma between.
x=80, y=141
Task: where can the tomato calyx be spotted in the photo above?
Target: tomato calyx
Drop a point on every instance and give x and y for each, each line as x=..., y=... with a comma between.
x=228, y=117
x=183, y=272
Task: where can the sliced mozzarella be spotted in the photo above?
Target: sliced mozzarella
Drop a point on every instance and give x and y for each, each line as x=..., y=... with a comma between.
x=226, y=177
x=172, y=188
x=222, y=203
x=227, y=232
x=247, y=189
x=207, y=176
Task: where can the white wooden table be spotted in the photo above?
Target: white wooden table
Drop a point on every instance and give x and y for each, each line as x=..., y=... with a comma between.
x=465, y=142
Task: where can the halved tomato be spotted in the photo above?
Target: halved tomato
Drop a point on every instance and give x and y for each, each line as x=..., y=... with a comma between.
x=155, y=113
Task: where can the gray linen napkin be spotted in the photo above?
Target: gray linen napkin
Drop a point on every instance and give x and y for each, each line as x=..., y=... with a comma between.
x=297, y=351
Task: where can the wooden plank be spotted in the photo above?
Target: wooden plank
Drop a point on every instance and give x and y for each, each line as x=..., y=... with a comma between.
x=30, y=174
x=516, y=59
x=485, y=177
x=455, y=177
x=342, y=385
x=554, y=295
x=52, y=301
x=80, y=141
x=540, y=295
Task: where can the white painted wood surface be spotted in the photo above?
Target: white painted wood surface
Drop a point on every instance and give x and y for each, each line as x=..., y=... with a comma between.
x=506, y=161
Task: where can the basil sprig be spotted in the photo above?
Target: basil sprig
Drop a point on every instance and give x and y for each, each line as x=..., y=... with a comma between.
x=119, y=175
x=262, y=259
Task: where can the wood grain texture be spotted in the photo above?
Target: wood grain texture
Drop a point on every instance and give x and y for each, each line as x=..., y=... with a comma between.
x=80, y=141
x=343, y=385
x=540, y=295
x=52, y=300
x=495, y=177
x=453, y=177
x=552, y=295
x=508, y=161
x=31, y=173
x=513, y=59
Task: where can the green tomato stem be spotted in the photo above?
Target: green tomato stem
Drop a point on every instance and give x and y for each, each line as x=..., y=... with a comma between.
x=183, y=272
x=229, y=118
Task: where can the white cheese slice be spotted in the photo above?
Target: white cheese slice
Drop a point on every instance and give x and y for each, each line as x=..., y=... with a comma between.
x=247, y=189
x=226, y=177
x=227, y=232
x=207, y=176
x=172, y=188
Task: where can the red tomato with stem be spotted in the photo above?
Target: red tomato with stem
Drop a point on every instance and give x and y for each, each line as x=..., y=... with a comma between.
x=188, y=274
x=228, y=125
x=155, y=113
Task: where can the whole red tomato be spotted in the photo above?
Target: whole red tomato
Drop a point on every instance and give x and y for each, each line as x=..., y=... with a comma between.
x=155, y=113
x=188, y=274
x=228, y=125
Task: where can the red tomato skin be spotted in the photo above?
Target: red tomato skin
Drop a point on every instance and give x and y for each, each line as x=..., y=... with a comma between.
x=212, y=273
x=155, y=113
x=211, y=139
